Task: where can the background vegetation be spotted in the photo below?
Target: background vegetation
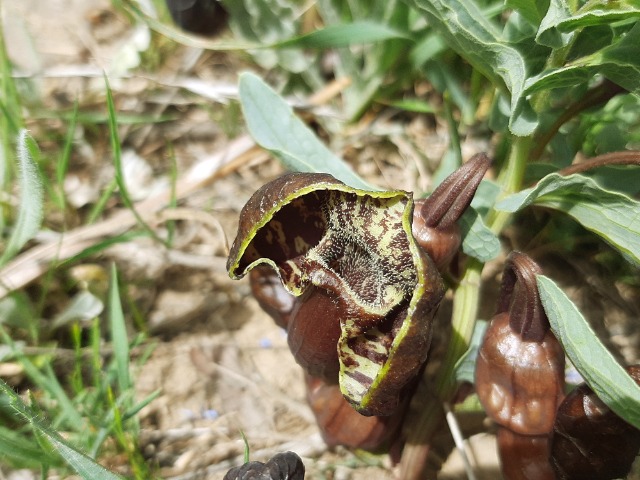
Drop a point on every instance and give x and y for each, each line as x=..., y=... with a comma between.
x=98, y=170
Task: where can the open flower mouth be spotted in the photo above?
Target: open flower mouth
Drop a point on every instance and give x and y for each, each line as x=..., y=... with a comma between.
x=318, y=233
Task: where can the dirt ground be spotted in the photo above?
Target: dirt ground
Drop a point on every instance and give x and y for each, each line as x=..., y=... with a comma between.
x=220, y=363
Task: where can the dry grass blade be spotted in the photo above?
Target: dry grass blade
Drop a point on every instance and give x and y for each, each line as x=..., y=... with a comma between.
x=33, y=263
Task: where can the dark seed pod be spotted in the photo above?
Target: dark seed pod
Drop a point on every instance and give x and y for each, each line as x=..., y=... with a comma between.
x=589, y=441
x=283, y=466
x=350, y=257
x=435, y=217
x=204, y=17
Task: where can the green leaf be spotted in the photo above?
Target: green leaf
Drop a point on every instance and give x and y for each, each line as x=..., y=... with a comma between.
x=548, y=33
x=413, y=105
x=485, y=197
x=611, y=215
x=567, y=76
x=559, y=20
x=591, y=39
x=30, y=206
x=591, y=358
x=119, y=334
x=619, y=62
x=597, y=12
x=465, y=368
x=532, y=10
x=334, y=36
x=466, y=30
x=478, y=240
x=265, y=23
x=274, y=127
x=86, y=467
x=620, y=179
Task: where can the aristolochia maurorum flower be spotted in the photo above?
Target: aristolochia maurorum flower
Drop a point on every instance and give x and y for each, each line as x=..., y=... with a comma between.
x=365, y=289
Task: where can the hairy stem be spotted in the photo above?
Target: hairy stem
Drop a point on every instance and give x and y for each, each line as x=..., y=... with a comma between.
x=631, y=157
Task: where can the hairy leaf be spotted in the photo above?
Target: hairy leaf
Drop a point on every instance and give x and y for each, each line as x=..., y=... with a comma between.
x=548, y=33
x=619, y=62
x=596, y=12
x=16, y=449
x=531, y=10
x=274, y=127
x=30, y=207
x=478, y=241
x=467, y=31
x=611, y=215
x=590, y=357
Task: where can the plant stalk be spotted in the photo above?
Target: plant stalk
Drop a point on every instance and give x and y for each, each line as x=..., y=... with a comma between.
x=464, y=316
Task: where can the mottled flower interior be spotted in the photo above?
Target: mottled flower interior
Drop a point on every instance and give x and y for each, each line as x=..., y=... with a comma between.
x=352, y=243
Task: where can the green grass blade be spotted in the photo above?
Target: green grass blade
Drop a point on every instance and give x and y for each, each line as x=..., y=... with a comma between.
x=63, y=162
x=19, y=451
x=86, y=467
x=119, y=336
x=30, y=208
x=10, y=114
x=247, y=448
x=116, y=149
x=101, y=204
x=48, y=382
x=590, y=357
x=133, y=411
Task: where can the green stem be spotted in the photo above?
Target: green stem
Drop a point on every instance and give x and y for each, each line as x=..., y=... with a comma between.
x=511, y=179
x=464, y=316
x=465, y=313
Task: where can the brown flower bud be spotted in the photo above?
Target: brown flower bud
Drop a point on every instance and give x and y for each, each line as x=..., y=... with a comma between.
x=590, y=441
x=520, y=365
x=283, y=466
x=435, y=217
x=519, y=383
